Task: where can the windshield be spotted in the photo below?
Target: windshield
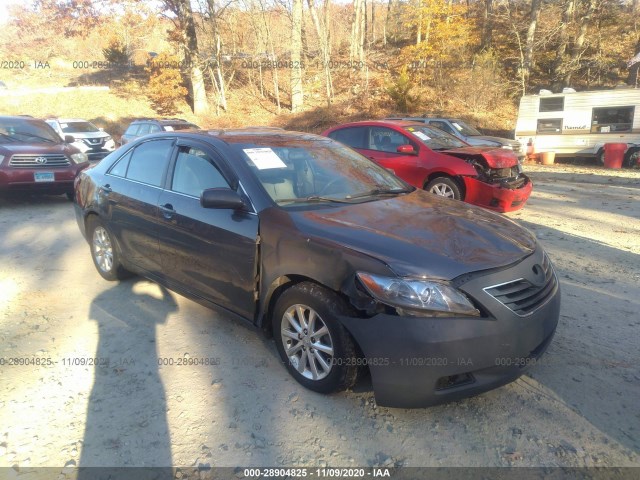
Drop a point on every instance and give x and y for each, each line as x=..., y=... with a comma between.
x=25, y=131
x=78, y=127
x=435, y=138
x=317, y=171
x=465, y=129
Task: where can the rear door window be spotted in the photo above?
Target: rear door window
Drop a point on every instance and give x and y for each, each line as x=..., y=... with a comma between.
x=149, y=161
x=355, y=137
x=387, y=140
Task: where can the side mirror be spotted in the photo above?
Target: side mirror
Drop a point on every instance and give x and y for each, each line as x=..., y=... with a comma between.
x=69, y=139
x=408, y=149
x=221, y=198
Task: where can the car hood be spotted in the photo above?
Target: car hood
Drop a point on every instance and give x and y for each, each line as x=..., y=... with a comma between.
x=421, y=234
x=36, y=149
x=494, y=157
x=79, y=135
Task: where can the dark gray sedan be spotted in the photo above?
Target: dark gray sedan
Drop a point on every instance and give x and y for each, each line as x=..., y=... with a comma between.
x=352, y=270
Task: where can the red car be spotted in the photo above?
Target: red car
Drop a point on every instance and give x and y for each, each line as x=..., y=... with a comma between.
x=431, y=159
x=34, y=158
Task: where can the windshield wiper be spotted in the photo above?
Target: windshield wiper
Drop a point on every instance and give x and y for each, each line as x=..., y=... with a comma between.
x=26, y=134
x=312, y=198
x=379, y=191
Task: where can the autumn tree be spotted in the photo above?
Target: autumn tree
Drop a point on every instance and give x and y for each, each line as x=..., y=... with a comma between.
x=185, y=32
x=297, y=99
x=165, y=88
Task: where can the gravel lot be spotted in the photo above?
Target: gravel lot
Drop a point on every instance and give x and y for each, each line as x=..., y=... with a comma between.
x=578, y=407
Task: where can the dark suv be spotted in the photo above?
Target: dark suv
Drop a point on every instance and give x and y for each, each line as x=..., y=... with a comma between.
x=33, y=157
x=467, y=133
x=144, y=126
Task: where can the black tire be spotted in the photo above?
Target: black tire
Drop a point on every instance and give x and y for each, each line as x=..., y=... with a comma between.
x=327, y=305
x=600, y=157
x=104, y=251
x=632, y=157
x=444, y=184
x=70, y=196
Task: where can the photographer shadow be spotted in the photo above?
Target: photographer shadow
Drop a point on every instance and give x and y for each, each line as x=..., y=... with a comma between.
x=126, y=424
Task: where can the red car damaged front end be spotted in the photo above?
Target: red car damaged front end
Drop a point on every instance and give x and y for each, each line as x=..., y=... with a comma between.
x=500, y=184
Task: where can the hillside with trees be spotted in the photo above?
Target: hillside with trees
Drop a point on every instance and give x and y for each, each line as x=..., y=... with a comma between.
x=306, y=64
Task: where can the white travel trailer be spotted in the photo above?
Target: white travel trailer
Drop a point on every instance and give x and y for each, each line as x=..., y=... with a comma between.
x=578, y=124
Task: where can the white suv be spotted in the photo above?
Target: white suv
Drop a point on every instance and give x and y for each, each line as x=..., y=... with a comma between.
x=93, y=141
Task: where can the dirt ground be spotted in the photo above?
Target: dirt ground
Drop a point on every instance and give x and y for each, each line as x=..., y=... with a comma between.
x=108, y=381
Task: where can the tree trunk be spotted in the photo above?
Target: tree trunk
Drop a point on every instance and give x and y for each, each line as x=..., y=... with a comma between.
x=297, y=99
x=386, y=24
x=356, y=52
x=530, y=42
x=323, y=37
x=487, y=26
x=559, y=64
x=576, y=52
x=182, y=9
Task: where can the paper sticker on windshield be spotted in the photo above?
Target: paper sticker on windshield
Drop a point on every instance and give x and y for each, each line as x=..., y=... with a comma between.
x=421, y=136
x=458, y=127
x=264, y=158
x=168, y=128
x=63, y=125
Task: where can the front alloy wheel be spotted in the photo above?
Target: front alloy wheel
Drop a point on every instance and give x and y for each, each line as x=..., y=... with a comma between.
x=312, y=342
x=445, y=187
x=307, y=342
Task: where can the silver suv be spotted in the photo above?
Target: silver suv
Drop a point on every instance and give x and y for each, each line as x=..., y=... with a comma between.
x=91, y=140
x=467, y=133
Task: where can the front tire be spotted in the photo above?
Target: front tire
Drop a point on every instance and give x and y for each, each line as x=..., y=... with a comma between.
x=444, y=187
x=104, y=252
x=314, y=346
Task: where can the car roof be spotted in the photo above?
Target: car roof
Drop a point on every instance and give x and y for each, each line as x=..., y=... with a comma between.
x=162, y=121
x=270, y=135
x=397, y=123
x=69, y=120
x=24, y=118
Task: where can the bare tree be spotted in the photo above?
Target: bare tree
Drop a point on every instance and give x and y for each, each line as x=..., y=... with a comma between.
x=297, y=98
x=527, y=60
x=560, y=60
x=356, y=52
x=487, y=25
x=577, y=50
x=322, y=31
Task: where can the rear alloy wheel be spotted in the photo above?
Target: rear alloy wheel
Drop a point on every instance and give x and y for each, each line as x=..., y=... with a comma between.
x=104, y=252
x=315, y=347
x=445, y=187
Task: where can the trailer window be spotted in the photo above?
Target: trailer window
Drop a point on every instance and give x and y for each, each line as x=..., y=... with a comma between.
x=550, y=126
x=553, y=104
x=612, y=119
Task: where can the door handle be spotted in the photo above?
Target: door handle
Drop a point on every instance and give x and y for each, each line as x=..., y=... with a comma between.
x=167, y=210
x=106, y=189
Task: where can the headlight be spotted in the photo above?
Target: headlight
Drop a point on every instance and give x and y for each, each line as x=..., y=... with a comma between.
x=417, y=294
x=79, y=157
x=508, y=147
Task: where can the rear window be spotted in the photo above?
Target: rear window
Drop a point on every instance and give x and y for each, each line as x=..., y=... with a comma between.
x=149, y=162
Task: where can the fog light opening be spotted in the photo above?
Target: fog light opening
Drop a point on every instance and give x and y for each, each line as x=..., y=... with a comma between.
x=453, y=381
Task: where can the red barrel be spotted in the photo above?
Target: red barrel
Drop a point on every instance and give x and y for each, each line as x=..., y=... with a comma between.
x=613, y=154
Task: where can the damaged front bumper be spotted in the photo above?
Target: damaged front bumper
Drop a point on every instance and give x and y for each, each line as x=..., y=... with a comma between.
x=423, y=361
x=495, y=196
